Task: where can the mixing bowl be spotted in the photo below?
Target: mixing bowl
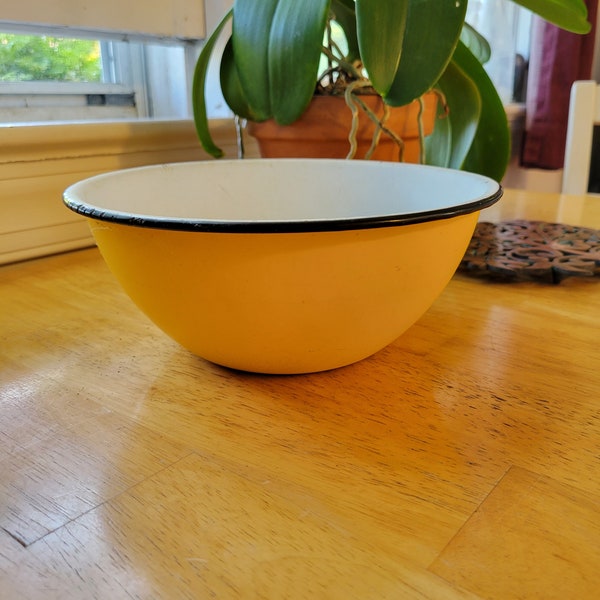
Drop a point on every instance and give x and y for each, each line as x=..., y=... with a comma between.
x=284, y=265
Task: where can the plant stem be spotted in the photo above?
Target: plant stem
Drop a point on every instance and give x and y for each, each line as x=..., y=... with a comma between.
x=421, y=131
x=381, y=124
x=377, y=132
x=342, y=64
x=354, y=103
x=241, y=151
x=329, y=54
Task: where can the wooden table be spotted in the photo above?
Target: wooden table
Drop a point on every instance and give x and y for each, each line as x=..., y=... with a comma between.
x=463, y=461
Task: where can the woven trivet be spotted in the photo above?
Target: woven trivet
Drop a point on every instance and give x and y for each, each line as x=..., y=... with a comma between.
x=534, y=250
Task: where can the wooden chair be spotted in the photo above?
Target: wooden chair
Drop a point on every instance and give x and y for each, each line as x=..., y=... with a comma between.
x=584, y=113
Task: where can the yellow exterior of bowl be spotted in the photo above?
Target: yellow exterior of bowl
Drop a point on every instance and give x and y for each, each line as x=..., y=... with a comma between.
x=285, y=302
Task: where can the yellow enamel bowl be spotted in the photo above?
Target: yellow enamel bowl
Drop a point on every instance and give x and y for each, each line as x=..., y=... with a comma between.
x=286, y=265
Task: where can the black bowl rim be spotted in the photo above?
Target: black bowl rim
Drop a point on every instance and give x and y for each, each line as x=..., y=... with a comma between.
x=282, y=226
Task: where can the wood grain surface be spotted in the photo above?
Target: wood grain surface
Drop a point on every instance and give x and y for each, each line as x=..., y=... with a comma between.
x=462, y=461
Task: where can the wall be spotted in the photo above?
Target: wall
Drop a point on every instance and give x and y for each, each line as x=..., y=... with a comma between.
x=37, y=163
x=518, y=177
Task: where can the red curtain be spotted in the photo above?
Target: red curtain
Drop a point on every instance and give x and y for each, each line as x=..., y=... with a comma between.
x=558, y=58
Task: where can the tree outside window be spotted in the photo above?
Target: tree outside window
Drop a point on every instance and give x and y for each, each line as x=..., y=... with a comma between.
x=47, y=58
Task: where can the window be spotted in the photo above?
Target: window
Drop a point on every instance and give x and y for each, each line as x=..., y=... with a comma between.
x=44, y=77
x=507, y=28
x=144, y=58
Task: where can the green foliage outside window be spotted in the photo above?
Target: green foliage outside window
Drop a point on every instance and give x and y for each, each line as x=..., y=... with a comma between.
x=45, y=58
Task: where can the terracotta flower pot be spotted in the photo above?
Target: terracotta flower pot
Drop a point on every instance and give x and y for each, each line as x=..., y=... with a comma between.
x=322, y=131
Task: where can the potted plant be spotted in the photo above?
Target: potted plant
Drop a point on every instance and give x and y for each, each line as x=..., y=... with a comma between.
x=397, y=50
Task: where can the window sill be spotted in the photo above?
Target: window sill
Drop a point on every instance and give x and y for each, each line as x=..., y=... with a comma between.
x=37, y=162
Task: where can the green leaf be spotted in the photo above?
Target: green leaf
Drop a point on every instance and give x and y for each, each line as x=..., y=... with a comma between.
x=438, y=145
x=449, y=144
x=345, y=15
x=432, y=31
x=381, y=27
x=568, y=14
x=476, y=43
x=490, y=151
x=251, y=23
x=295, y=42
x=198, y=90
x=232, y=87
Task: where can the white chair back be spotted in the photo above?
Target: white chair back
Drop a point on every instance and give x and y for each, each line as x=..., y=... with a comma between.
x=584, y=113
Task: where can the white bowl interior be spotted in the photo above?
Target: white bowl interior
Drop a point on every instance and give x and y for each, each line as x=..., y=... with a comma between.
x=278, y=190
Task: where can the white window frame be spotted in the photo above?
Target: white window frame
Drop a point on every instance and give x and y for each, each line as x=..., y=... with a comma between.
x=167, y=19
x=158, y=76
